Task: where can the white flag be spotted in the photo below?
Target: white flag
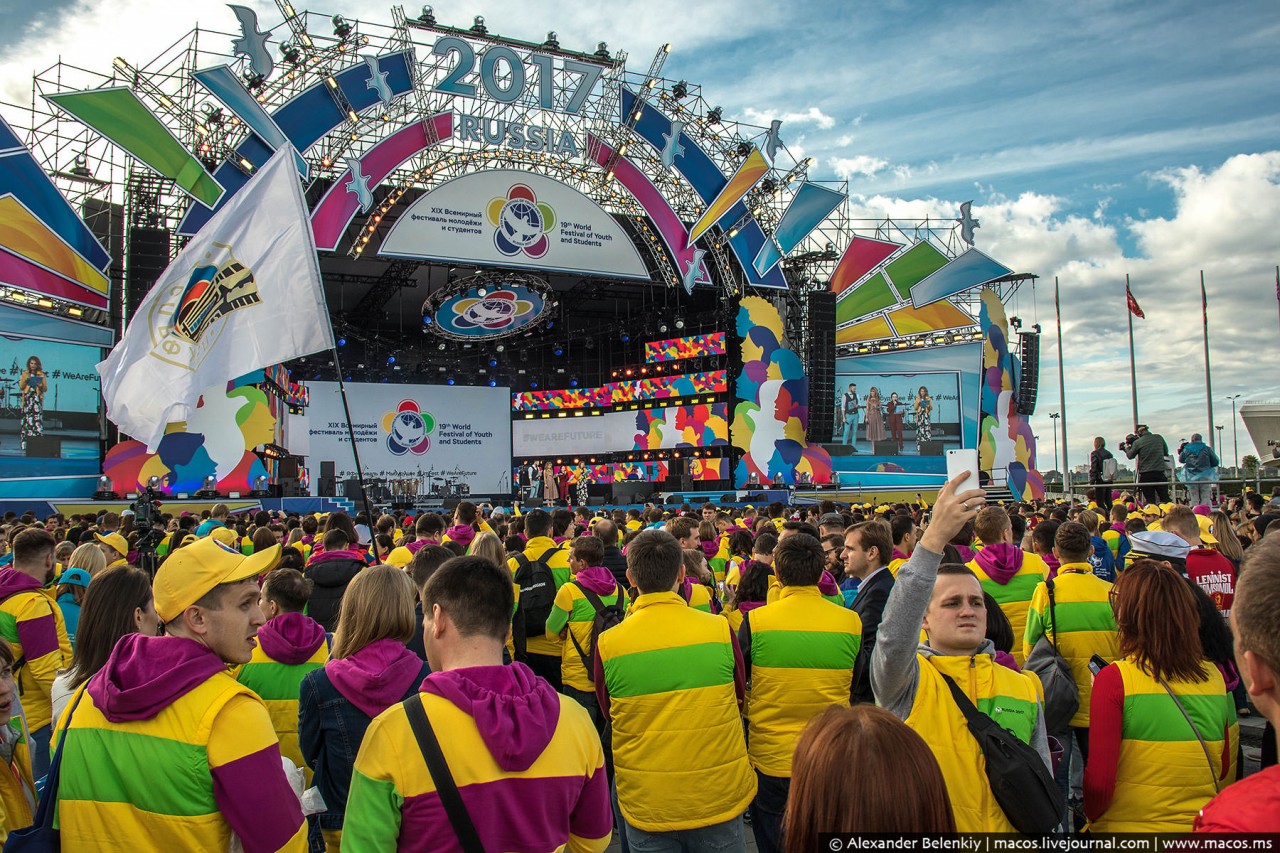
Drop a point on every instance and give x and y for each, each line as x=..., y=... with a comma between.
x=244, y=294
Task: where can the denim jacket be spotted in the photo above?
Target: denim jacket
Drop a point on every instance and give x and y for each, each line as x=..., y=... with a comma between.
x=330, y=730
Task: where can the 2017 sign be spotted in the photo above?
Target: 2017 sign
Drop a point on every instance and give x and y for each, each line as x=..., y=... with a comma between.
x=510, y=87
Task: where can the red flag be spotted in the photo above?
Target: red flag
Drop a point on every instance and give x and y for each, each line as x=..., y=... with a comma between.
x=1133, y=303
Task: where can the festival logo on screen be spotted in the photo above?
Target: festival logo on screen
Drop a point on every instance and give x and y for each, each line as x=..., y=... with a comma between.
x=521, y=222
x=408, y=429
x=494, y=312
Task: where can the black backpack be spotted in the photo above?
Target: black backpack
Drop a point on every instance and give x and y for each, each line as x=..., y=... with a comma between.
x=607, y=615
x=537, y=595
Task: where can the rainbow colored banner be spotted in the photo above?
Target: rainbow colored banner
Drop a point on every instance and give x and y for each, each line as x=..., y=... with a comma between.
x=692, y=346
x=626, y=391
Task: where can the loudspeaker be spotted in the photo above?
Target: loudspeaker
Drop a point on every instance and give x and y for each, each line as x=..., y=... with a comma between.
x=147, y=259
x=351, y=489
x=44, y=446
x=821, y=364
x=595, y=501
x=931, y=448
x=885, y=448
x=287, y=468
x=1029, y=375
x=754, y=498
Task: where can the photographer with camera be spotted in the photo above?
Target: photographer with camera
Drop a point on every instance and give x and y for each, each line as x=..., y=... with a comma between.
x=1150, y=449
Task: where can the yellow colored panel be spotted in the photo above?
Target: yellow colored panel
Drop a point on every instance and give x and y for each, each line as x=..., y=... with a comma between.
x=23, y=234
x=867, y=330
x=930, y=318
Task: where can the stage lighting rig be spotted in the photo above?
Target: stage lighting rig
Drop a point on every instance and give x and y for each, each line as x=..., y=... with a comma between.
x=428, y=16
x=341, y=27
x=714, y=115
x=478, y=27
x=553, y=41
x=680, y=90
x=291, y=54
x=602, y=51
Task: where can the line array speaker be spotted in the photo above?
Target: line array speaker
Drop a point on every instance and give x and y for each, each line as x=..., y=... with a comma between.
x=821, y=363
x=1029, y=375
x=148, y=257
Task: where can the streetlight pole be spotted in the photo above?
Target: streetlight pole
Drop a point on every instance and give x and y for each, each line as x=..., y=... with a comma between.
x=1054, y=416
x=1235, y=433
x=1219, y=428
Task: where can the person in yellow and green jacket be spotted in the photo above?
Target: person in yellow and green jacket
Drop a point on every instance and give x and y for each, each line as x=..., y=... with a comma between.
x=572, y=620
x=543, y=652
x=211, y=767
x=1085, y=626
x=669, y=676
x=289, y=646
x=1163, y=731
x=1007, y=572
x=33, y=626
x=526, y=761
x=909, y=677
x=800, y=654
x=17, y=787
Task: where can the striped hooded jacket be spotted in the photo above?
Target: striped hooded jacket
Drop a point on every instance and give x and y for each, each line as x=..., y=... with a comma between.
x=33, y=625
x=525, y=759
x=166, y=751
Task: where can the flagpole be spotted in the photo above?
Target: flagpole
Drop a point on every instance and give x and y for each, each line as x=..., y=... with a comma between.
x=1133, y=367
x=1062, y=389
x=1208, y=380
x=355, y=452
x=1278, y=284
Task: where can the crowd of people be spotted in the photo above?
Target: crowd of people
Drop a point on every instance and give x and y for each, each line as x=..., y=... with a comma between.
x=676, y=678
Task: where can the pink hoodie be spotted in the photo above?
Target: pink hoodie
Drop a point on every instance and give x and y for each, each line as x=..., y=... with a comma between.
x=376, y=677
x=291, y=638
x=1000, y=561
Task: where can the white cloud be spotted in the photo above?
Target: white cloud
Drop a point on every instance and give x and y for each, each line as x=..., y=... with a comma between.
x=813, y=116
x=863, y=164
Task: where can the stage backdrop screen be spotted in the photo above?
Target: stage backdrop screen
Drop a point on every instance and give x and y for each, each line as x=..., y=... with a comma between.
x=60, y=428
x=414, y=432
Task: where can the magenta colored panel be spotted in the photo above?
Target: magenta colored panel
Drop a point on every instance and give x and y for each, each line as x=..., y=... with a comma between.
x=19, y=272
x=863, y=255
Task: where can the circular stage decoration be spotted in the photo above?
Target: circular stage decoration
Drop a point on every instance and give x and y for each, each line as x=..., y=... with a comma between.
x=486, y=306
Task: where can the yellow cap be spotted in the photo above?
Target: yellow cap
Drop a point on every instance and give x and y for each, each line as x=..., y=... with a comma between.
x=114, y=540
x=225, y=535
x=1206, y=530
x=1152, y=509
x=191, y=572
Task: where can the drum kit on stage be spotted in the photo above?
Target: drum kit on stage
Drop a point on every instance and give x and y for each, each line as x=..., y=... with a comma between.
x=408, y=489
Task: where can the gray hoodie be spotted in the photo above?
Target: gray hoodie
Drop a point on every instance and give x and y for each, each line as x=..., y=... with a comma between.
x=895, y=669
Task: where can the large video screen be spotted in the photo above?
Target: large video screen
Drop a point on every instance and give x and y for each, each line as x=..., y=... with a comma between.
x=887, y=425
x=49, y=408
x=413, y=438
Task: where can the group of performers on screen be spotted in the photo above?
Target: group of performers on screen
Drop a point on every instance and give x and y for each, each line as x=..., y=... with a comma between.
x=883, y=416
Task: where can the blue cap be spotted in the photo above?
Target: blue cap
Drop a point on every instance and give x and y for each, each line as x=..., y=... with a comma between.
x=74, y=577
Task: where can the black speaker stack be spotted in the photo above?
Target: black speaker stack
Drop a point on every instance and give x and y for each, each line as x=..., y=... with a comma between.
x=821, y=363
x=148, y=256
x=1029, y=376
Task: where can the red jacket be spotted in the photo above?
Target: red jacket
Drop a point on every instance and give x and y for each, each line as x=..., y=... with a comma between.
x=1215, y=575
x=1250, y=805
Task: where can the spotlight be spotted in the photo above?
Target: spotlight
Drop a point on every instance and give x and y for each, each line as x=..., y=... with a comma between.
x=341, y=28
x=291, y=54
x=153, y=482
x=501, y=347
x=449, y=381
x=478, y=27
x=744, y=149
x=558, y=351
x=428, y=16
x=342, y=342
x=663, y=328
x=391, y=359
x=679, y=322
x=533, y=383
x=440, y=346
x=602, y=50
x=573, y=383
x=680, y=90
x=493, y=362
x=553, y=41
x=254, y=82
x=714, y=115
x=482, y=290
x=626, y=338
x=493, y=383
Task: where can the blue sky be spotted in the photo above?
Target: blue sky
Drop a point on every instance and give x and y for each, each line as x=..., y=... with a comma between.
x=1095, y=138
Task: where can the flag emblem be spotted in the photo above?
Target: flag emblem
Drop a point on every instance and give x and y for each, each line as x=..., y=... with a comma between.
x=213, y=292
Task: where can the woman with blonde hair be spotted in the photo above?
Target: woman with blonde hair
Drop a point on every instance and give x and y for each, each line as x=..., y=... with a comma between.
x=369, y=671
x=897, y=786
x=1228, y=542
x=489, y=546
x=88, y=557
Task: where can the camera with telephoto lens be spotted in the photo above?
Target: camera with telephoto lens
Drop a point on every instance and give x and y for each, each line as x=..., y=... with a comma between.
x=1128, y=440
x=147, y=519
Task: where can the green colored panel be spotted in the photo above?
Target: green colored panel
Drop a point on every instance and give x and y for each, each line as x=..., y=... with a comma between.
x=125, y=121
x=668, y=670
x=872, y=295
x=1155, y=717
x=805, y=649
x=915, y=265
x=119, y=759
x=1085, y=616
x=1019, y=588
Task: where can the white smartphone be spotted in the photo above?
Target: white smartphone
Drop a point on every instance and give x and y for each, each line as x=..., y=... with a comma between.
x=959, y=461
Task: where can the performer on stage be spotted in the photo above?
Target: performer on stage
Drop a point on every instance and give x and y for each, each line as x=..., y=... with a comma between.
x=849, y=414
x=875, y=418
x=550, y=492
x=894, y=409
x=33, y=385
x=924, y=411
